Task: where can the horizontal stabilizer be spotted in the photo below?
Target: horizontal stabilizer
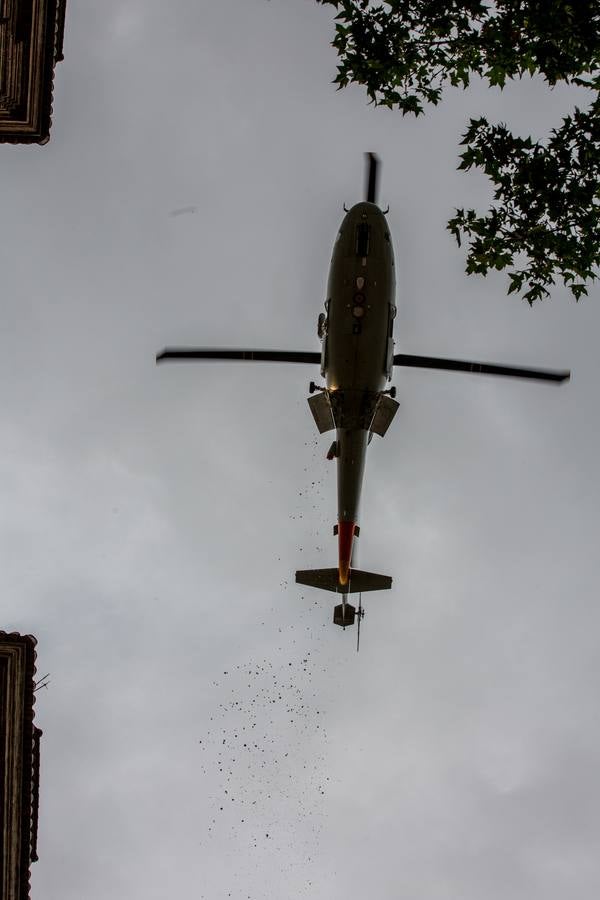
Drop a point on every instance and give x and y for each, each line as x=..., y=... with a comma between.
x=190, y=353
x=328, y=580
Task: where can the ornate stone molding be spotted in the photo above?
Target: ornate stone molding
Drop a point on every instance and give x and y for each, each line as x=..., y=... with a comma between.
x=31, y=42
x=19, y=764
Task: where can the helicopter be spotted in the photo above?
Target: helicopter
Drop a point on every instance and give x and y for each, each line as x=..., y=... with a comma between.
x=357, y=361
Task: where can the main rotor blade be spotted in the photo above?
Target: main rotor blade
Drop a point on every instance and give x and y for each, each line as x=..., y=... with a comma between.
x=459, y=365
x=191, y=353
x=372, y=173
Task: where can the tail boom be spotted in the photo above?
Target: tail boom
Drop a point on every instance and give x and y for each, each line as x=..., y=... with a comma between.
x=346, y=532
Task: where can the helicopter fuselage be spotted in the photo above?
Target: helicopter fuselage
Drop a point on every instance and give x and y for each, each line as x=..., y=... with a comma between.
x=358, y=351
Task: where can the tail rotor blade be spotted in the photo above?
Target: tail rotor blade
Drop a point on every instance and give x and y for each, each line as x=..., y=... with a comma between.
x=372, y=177
x=360, y=613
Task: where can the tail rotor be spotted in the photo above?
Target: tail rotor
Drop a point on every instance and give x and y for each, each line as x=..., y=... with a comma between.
x=360, y=614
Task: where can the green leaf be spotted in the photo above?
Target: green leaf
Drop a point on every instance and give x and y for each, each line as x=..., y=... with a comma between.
x=546, y=207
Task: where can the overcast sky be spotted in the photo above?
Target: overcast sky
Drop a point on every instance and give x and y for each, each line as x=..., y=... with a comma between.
x=207, y=731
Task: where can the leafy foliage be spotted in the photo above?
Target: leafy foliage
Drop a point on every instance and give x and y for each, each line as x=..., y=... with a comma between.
x=545, y=219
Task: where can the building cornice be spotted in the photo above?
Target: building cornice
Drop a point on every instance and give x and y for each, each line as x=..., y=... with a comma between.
x=31, y=43
x=19, y=764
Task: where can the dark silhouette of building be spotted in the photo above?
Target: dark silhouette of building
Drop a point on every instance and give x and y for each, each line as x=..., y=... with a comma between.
x=31, y=43
x=19, y=764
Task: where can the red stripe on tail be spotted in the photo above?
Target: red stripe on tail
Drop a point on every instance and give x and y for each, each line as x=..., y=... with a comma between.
x=345, y=536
